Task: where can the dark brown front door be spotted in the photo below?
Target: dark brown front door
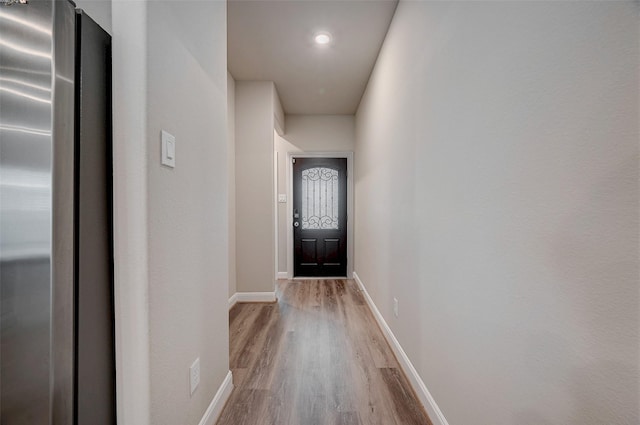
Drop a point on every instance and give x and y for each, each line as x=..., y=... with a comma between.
x=320, y=216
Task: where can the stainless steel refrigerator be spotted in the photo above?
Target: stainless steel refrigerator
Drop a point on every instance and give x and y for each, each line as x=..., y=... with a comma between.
x=56, y=265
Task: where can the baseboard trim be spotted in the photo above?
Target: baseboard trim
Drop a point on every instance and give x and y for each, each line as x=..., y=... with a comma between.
x=214, y=410
x=282, y=275
x=251, y=297
x=434, y=412
x=255, y=297
x=233, y=300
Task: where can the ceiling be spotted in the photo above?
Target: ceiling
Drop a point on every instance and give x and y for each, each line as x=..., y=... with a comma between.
x=273, y=41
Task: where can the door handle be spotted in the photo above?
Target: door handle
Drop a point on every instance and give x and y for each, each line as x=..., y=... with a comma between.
x=296, y=224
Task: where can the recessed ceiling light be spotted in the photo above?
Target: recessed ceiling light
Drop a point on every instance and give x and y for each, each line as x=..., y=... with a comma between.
x=322, y=38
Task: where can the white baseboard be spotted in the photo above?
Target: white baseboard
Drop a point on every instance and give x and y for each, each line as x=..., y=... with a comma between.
x=282, y=275
x=434, y=412
x=255, y=297
x=233, y=300
x=214, y=410
x=252, y=297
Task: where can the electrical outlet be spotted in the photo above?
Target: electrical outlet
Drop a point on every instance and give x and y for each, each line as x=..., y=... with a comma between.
x=395, y=307
x=194, y=375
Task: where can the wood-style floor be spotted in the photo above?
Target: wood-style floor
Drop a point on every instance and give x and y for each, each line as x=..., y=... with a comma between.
x=316, y=357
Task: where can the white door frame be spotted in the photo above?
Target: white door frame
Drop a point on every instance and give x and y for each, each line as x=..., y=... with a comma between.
x=350, y=215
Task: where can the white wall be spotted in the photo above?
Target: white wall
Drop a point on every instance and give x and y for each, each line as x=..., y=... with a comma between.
x=231, y=165
x=255, y=233
x=99, y=11
x=171, y=246
x=497, y=199
x=130, y=212
x=308, y=133
x=188, y=206
x=278, y=112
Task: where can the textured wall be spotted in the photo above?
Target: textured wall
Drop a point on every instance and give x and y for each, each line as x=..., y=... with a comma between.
x=131, y=282
x=497, y=199
x=99, y=11
x=255, y=233
x=231, y=164
x=188, y=206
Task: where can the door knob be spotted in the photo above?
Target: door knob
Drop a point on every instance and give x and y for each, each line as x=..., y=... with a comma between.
x=296, y=224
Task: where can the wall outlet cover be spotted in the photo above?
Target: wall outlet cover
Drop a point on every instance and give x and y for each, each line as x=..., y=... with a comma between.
x=395, y=307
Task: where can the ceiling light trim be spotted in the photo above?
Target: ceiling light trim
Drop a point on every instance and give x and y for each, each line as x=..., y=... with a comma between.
x=322, y=38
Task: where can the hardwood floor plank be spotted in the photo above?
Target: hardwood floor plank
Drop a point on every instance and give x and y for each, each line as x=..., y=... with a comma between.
x=406, y=405
x=239, y=375
x=348, y=418
x=243, y=405
x=268, y=352
x=244, y=330
x=285, y=382
x=316, y=357
x=373, y=339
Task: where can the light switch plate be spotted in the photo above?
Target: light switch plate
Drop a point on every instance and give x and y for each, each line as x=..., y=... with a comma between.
x=282, y=198
x=168, y=149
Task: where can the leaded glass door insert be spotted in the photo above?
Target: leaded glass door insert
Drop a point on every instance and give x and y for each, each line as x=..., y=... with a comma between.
x=320, y=216
x=320, y=198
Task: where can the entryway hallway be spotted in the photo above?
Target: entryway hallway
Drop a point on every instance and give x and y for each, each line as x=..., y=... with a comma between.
x=316, y=356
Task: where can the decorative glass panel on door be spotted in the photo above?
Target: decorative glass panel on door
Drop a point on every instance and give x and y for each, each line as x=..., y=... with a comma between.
x=320, y=196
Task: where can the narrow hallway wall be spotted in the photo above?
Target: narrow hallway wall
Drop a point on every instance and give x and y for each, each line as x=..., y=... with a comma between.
x=255, y=233
x=231, y=164
x=497, y=199
x=188, y=207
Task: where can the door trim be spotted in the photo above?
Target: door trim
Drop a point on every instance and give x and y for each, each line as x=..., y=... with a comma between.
x=350, y=215
x=276, y=212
